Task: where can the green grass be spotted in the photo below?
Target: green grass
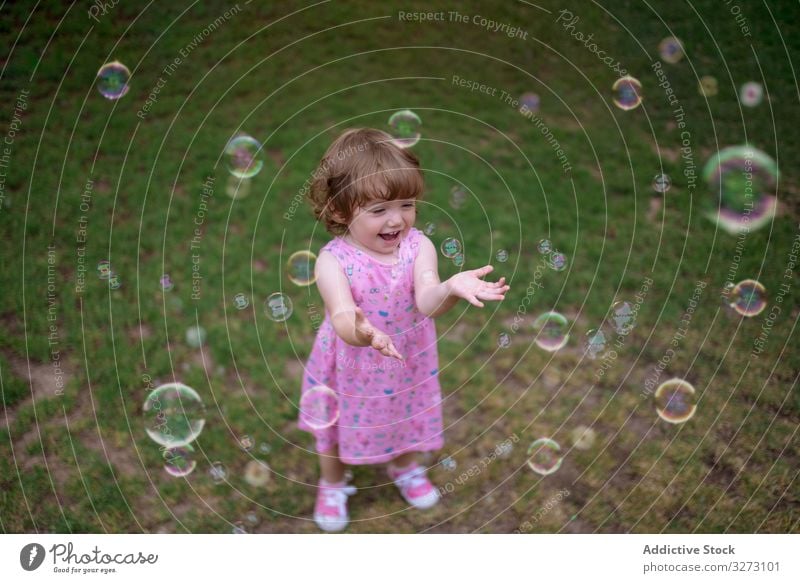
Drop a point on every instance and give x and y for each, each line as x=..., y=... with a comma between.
x=81, y=459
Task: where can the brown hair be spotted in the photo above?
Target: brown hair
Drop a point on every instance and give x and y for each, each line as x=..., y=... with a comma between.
x=361, y=165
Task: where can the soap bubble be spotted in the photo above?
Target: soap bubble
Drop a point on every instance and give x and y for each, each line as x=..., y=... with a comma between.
x=448, y=463
x=748, y=298
x=246, y=442
x=195, y=336
x=708, y=86
x=627, y=93
x=595, y=343
x=238, y=528
x=504, y=448
x=671, y=50
x=557, y=261
x=544, y=456
x=458, y=196
x=544, y=246
x=741, y=180
x=430, y=229
x=114, y=281
x=174, y=415
x=404, y=126
x=252, y=518
x=244, y=156
x=502, y=256
x=661, y=183
x=529, y=102
x=257, y=473
x=675, y=401
x=264, y=447
x=278, y=307
x=623, y=317
x=180, y=461
x=319, y=407
x=751, y=94
x=551, y=331
x=166, y=282
x=583, y=437
x=104, y=269
x=240, y=301
x=112, y=80
x=218, y=472
x=450, y=247
x=503, y=340
x=300, y=267
x=458, y=260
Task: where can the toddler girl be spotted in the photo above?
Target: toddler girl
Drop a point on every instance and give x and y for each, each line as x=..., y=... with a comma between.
x=376, y=348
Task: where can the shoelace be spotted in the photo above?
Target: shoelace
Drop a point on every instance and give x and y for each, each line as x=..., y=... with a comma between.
x=411, y=479
x=337, y=496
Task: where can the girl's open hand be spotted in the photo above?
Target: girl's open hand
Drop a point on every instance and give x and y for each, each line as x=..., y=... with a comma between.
x=378, y=340
x=470, y=286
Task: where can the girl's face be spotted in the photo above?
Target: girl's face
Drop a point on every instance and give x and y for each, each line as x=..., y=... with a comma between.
x=380, y=225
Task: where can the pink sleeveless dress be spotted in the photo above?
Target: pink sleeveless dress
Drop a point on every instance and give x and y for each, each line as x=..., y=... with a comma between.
x=386, y=407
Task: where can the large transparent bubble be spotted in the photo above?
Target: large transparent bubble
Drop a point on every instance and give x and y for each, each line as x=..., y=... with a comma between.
x=174, y=415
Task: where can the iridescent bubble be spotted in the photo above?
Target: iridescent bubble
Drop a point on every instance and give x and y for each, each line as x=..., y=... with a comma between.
x=166, y=283
x=450, y=247
x=430, y=229
x=458, y=196
x=529, y=103
x=246, y=442
x=244, y=156
x=627, y=93
x=544, y=456
x=264, y=447
x=300, y=268
x=551, y=331
x=595, y=343
x=458, y=260
x=708, y=86
x=671, y=50
x=218, y=472
x=448, y=463
x=661, y=183
x=741, y=180
x=174, y=415
x=502, y=256
x=104, y=269
x=180, y=461
x=319, y=407
x=195, y=336
x=404, y=126
x=751, y=94
x=623, y=317
x=240, y=301
x=503, y=340
x=257, y=473
x=544, y=246
x=725, y=293
x=748, y=298
x=583, y=437
x=237, y=188
x=114, y=281
x=557, y=261
x=278, y=307
x=675, y=401
x=112, y=80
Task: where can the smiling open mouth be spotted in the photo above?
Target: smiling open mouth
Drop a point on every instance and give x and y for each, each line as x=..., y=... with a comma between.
x=389, y=236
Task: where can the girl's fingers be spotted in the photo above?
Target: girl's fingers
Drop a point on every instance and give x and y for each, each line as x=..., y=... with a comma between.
x=481, y=271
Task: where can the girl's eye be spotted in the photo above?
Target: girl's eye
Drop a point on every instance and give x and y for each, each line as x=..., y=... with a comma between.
x=376, y=211
x=409, y=205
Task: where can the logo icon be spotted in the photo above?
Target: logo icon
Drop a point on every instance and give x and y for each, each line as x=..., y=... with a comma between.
x=31, y=556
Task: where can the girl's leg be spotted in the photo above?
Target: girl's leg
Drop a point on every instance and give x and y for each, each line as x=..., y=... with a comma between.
x=404, y=460
x=331, y=467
